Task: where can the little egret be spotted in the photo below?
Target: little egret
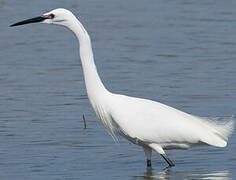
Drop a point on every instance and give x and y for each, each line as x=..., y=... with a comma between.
x=149, y=124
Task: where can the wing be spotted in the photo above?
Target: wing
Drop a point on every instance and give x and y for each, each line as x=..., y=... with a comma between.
x=151, y=121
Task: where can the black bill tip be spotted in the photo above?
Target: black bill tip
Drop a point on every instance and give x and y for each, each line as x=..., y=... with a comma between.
x=28, y=21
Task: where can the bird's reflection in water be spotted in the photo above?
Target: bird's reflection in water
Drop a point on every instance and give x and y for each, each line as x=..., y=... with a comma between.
x=171, y=174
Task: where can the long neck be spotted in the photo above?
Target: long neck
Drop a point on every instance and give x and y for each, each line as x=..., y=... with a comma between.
x=94, y=85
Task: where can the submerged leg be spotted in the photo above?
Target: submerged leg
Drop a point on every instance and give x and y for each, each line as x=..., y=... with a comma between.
x=148, y=154
x=160, y=151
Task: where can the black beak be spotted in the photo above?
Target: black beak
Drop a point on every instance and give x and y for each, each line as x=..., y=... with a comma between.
x=33, y=20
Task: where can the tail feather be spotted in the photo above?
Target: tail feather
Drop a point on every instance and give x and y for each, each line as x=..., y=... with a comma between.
x=225, y=128
x=220, y=131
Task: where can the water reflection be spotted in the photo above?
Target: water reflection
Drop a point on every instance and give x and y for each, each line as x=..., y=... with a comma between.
x=170, y=174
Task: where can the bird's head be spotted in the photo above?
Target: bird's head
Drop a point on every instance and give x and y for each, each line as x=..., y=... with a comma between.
x=58, y=16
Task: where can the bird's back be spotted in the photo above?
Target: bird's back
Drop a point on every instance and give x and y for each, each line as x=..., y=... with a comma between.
x=150, y=121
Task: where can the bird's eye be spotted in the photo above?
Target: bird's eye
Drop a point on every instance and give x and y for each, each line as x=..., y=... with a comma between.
x=52, y=16
x=48, y=16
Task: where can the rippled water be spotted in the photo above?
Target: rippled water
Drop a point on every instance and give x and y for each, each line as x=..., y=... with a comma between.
x=181, y=53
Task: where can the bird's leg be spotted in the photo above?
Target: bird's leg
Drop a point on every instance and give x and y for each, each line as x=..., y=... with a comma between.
x=171, y=164
x=148, y=154
x=160, y=151
x=149, y=163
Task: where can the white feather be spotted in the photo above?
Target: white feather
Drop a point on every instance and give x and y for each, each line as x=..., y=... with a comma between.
x=153, y=122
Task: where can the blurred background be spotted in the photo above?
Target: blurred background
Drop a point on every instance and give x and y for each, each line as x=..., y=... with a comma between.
x=180, y=53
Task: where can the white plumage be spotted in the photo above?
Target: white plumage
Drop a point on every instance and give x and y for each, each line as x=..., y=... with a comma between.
x=150, y=124
x=153, y=122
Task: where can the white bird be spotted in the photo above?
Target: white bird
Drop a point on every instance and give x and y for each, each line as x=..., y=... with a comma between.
x=149, y=124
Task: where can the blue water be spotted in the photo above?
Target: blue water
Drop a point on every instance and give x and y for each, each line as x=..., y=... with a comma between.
x=181, y=53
